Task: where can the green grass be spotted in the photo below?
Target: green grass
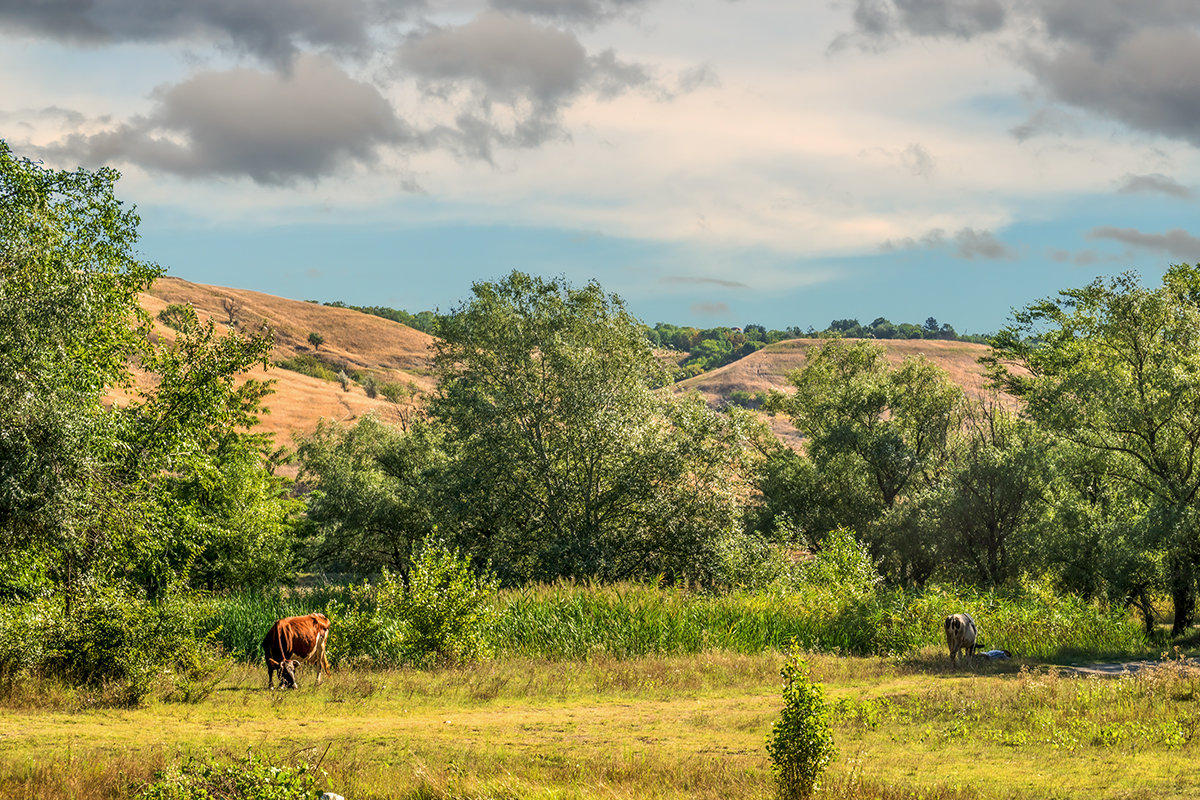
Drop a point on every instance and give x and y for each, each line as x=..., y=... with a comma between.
x=650, y=727
x=568, y=621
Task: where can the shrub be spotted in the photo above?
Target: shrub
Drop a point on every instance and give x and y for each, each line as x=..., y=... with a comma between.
x=800, y=744
x=444, y=609
x=244, y=780
x=843, y=562
x=310, y=365
x=112, y=640
x=177, y=316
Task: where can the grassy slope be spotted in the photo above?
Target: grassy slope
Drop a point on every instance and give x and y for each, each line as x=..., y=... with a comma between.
x=398, y=353
x=392, y=351
x=655, y=727
x=768, y=369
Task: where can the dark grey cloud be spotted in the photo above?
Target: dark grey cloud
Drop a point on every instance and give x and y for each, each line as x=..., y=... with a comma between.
x=271, y=29
x=1131, y=61
x=274, y=128
x=1177, y=242
x=1154, y=184
x=967, y=243
x=501, y=60
x=687, y=280
x=1102, y=24
x=1147, y=81
x=878, y=21
x=587, y=12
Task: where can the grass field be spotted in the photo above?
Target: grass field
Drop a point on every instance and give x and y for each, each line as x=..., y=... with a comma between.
x=653, y=727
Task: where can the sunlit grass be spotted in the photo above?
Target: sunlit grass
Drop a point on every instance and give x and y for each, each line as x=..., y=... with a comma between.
x=655, y=727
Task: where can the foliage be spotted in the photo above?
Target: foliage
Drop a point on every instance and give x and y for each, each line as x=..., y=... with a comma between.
x=423, y=320
x=175, y=315
x=243, y=780
x=444, y=609
x=311, y=365
x=993, y=497
x=316, y=340
x=112, y=640
x=888, y=428
x=842, y=562
x=564, y=461
x=800, y=744
x=373, y=493
x=1114, y=368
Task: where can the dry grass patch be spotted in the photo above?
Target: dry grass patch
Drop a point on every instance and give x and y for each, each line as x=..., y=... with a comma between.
x=663, y=727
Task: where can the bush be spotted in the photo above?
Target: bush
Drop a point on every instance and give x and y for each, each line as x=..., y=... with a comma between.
x=445, y=608
x=111, y=640
x=800, y=743
x=843, y=562
x=177, y=316
x=244, y=780
x=310, y=365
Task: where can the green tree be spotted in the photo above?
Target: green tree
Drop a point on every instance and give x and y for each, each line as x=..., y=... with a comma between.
x=316, y=340
x=374, y=493
x=993, y=494
x=1114, y=368
x=890, y=426
x=566, y=462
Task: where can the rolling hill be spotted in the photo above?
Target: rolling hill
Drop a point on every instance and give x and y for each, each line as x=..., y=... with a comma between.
x=394, y=352
x=385, y=349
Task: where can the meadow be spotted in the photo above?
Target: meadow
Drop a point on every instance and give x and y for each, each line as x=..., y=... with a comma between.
x=648, y=727
x=635, y=691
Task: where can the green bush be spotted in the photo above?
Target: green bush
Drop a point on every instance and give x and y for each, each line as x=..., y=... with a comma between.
x=445, y=608
x=177, y=316
x=800, y=744
x=244, y=780
x=310, y=365
x=114, y=640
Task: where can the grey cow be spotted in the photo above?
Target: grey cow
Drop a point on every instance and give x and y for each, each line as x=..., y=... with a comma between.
x=960, y=635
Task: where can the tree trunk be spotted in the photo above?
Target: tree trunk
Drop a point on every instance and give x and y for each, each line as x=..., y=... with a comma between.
x=1182, y=581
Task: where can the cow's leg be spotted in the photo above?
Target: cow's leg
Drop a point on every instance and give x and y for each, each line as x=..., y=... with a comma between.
x=270, y=675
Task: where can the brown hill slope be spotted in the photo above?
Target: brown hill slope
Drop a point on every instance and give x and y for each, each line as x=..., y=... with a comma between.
x=387, y=350
x=768, y=369
x=394, y=352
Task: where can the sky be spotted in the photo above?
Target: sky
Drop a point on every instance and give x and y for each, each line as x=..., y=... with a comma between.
x=712, y=162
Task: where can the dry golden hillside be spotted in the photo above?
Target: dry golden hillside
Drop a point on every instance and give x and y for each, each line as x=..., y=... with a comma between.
x=768, y=369
x=398, y=353
x=386, y=349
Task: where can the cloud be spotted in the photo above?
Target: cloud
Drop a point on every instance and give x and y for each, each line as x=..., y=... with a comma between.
x=1131, y=61
x=687, y=280
x=274, y=128
x=1147, y=81
x=1177, y=242
x=587, y=12
x=271, y=29
x=882, y=20
x=710, y=309
x=1154, y=184
x=968, y=244
x=529, y=70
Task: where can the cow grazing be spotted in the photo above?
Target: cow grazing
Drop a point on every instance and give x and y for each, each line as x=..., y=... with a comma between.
x=960, y=635
x=291, y=641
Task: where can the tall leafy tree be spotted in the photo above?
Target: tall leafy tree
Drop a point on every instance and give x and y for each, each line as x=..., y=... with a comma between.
x=375, y=492
x=1114, y=368
x=889, y=425
x=92, y=490
x=567, y=462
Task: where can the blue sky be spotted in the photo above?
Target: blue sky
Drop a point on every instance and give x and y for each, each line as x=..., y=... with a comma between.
x=714, y=162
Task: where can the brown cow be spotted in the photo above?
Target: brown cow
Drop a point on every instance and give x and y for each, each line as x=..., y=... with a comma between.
x=960, y=635
x=291, y=641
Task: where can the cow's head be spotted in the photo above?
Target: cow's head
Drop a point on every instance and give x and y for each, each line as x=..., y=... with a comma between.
x=287, y=673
